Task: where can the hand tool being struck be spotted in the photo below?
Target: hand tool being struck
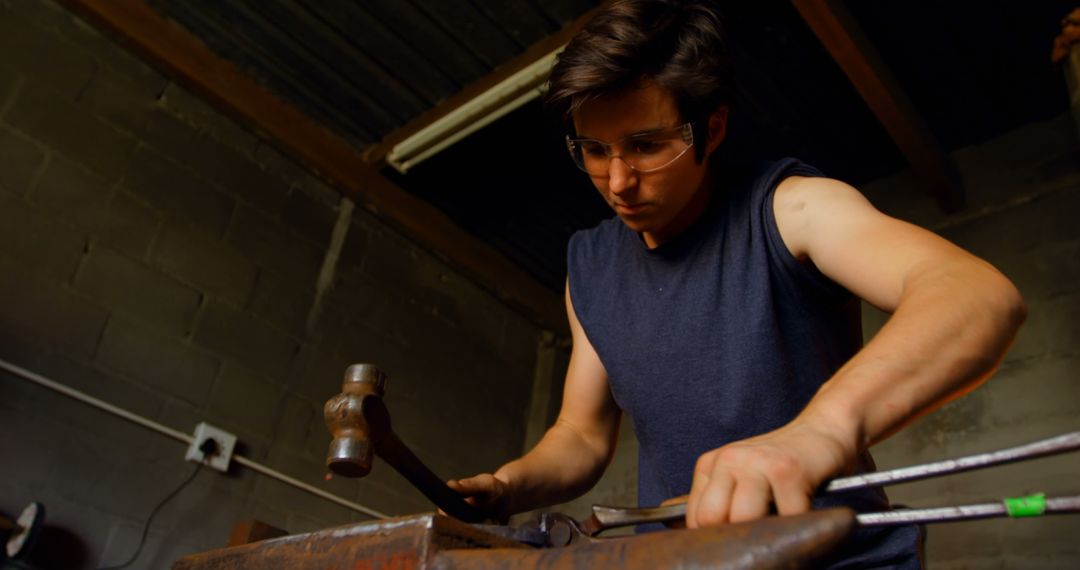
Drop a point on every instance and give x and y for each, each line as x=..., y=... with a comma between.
x=360, y=424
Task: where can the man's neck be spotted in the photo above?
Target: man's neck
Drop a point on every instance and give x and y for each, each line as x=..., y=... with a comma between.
x=685, y=219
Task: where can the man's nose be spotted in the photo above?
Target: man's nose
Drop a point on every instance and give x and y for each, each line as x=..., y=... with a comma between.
x=620, y=176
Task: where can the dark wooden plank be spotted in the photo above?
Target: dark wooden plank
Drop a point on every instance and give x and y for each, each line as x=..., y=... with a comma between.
x=564, y=12
x=471, y=29
x=180, y=54
x=356, y=26
x=856, y=56
x=419, y=30
x=334, y=63
x=212, y=29
x=521, y=21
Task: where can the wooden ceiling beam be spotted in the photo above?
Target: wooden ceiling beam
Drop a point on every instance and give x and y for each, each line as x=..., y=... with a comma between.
x=847, y=44
x=181, y=55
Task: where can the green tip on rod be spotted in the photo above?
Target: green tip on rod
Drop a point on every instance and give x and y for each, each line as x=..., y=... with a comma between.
x=1029, y=506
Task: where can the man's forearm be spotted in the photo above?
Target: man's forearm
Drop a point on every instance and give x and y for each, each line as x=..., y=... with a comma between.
x=562, y=466
x=948, y=333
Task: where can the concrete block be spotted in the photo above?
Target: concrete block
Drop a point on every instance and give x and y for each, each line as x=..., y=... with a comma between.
x=41, y=245
x=234, y=171
x=70, y=192
x=124, y=101
x=109, y=56
x=206, y=263
x=1033, y=391
x=297, y=415
x=355, y=247
x=282, y=303
x=49, y=314
x=390, y=260
x=201, y=115
x=71, y=130
x=294, y=500
x=279, y=163
x=272, y=247
x=323, y=370
x=163, y=363
x=185, y=106
x=41, y=54
x=128, y=226
x=129, y=287
x=177, y=192
x=247, y=399
x=9, y=85
x=85, y=377
x=36, y=450
x=392, y=502
x=227, y=331
x=203, y=519
x=520, y=339
x=20, y=159
x=308, y=216
x=366, y=302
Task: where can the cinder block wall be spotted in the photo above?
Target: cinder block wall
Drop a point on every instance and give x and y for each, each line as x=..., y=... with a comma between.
x=1023, y=191
x=158, y=256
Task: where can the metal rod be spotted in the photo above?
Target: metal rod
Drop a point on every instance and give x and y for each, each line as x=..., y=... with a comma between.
x=1041, y=448
x=1054, y=506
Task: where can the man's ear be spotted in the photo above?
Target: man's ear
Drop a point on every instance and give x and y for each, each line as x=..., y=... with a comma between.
x=717, y=128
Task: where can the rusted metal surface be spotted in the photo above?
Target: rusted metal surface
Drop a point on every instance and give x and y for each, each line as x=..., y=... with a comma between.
x=360, y=425
x=399, y=544
x=770, y=543
x=438, y=542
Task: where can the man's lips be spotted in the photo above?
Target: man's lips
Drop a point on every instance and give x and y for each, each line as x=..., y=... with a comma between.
x=629, y=208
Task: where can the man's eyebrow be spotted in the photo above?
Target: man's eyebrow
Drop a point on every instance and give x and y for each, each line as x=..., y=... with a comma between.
x=643, y=132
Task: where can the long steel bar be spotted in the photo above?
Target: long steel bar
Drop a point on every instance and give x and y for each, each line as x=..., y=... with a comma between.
x=1041, y=448
x=1054, y=506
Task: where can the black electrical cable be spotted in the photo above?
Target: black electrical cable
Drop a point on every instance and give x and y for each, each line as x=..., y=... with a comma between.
x=208, y=447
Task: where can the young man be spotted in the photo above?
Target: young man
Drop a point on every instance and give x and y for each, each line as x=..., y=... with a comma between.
x=721, y=312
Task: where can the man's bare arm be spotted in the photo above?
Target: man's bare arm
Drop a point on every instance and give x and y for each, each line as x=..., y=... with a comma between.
x=953, y=318
x=574, y=452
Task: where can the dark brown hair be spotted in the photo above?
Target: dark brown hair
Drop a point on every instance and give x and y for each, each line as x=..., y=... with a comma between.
x=679, y=45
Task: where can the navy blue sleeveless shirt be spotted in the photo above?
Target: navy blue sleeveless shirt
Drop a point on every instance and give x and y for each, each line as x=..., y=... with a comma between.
x=717, y=336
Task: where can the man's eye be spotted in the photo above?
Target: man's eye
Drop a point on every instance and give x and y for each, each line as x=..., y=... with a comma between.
x=592, y=148
x=644, y=146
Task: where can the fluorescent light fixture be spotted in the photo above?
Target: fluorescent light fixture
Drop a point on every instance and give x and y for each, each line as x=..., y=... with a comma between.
x=509, y=94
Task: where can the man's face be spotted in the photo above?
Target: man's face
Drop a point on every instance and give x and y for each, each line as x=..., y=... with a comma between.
x=661, y=204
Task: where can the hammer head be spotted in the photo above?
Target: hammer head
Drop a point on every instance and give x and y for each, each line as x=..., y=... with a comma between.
x=351, y=450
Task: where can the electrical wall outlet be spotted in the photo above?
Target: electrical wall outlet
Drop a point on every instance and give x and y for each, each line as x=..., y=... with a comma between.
x=225, y=443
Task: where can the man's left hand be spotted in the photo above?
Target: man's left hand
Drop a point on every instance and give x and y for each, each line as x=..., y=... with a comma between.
x=743, y=480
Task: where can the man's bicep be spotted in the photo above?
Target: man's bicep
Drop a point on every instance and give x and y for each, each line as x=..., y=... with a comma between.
x=587, y=407
x=872, y=255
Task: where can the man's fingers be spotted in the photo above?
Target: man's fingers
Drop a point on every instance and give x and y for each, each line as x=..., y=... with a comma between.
x=714, y=501
x=697, y=487
x=750, y=498
x=790, y=500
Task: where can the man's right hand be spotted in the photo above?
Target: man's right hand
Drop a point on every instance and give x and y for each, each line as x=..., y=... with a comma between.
x=488, y=493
